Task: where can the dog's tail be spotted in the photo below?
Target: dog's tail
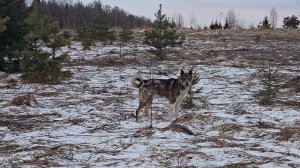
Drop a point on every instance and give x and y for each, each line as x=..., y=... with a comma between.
x=137, y=81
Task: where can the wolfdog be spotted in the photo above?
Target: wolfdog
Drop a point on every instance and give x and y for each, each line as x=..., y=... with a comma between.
x=173, y=89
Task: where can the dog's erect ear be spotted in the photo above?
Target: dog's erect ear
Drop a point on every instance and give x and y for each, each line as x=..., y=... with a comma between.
x=190, y=72
x=182, y=72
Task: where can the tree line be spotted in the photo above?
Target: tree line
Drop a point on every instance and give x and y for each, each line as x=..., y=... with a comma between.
x=18, y=19
x=76, y=15
x=24, y=31
x=233, y=22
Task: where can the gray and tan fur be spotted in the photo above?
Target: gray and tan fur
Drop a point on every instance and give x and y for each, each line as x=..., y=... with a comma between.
x=173, y=89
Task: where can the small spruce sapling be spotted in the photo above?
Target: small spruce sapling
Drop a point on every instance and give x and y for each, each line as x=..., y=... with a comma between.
x=193, y=91
x=162, y=35
x=270, y=81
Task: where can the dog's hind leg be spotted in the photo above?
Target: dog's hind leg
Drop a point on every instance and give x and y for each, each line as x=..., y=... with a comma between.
x=147, y=107
x=137, y=112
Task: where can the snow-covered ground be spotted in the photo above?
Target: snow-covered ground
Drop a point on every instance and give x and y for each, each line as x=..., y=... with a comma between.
x=88, y=121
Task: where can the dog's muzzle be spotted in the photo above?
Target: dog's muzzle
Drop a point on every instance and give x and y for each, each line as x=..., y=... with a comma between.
x=185, y=84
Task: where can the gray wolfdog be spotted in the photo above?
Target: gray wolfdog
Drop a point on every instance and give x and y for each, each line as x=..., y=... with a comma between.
x=173, y=89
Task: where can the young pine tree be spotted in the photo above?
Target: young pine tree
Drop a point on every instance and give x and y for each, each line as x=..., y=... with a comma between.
x=98, y=30
x=124, y=36
x=85, y=36
x=40, y=66
x=264, y=24
x=100, y=26
x=173, y=38
x=270, y=81
x=226, y=25
x=55, y=42
x=162, y=35
x=193, y=91
x=291, y=22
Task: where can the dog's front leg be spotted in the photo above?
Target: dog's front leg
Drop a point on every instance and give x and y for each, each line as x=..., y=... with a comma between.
x=177, y=107
x=172, y=109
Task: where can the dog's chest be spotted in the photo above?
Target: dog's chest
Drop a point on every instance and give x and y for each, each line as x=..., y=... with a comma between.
x=183, y=93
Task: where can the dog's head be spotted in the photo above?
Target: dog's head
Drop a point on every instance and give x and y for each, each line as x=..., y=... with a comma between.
x=185, y=79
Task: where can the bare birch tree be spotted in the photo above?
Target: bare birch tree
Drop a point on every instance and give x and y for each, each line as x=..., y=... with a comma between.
x=178, y=19
x=231, y=18
x=273, y=18
x=193, y=21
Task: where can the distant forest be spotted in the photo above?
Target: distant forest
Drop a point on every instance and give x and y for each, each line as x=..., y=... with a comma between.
x=76, y=15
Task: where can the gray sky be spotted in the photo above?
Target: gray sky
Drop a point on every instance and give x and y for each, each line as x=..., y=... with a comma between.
x=248, y=11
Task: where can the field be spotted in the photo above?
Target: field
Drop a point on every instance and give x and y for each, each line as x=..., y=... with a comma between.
x=89, y=121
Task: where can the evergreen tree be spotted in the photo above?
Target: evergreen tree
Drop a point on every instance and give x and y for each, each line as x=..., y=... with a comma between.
x=3, y=24
x=124, y=36
x=212, y=26
x=220, y=25
x=291, y=22
x=38, y=26
x=270, y=81
x=174, y=39
x=85, y=36
x=101, y=27
x=193, y=91
x=11, y=39
x=37, y=65
x=264, y=24
x=56, y=40
x=162, y=35
x=99, y=24
x=33, y=60
x=215, y=25
x=226, y=25
x=98, y=30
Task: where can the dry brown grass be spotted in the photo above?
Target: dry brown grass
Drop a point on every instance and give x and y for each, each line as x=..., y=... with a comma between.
x=26, y=123
x=178, y=128
x=295, y=104
x=229, y=127
x=49, y=156
x=75, y=121
x=221, y=143
x=8, y=146
x=264, y=125
x=289, y=133
x=144, y=132
x=48, y=94
x=26, y=99
x=294, y=84
x=11, y=83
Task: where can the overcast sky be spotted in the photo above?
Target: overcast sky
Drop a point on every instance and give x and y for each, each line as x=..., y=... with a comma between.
x=248, y=11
